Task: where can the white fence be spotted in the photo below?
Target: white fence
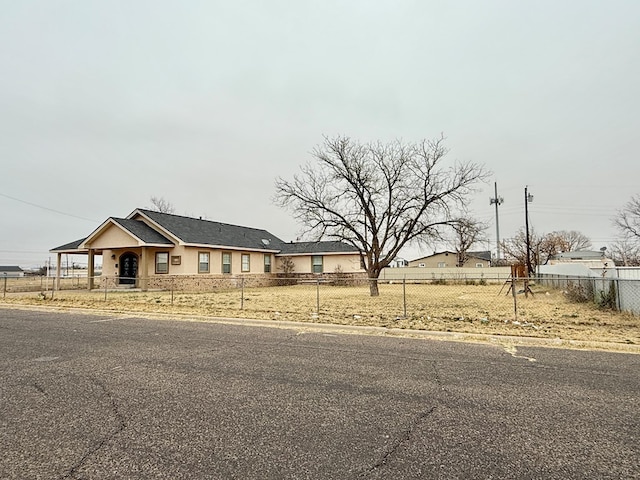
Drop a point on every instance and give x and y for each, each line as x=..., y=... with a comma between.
x=490, y=274
x=619, y=286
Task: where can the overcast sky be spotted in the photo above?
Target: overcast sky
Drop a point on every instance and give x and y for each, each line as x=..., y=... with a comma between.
x=104, y=104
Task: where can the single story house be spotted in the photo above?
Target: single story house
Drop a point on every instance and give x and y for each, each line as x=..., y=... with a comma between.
x=11, y=271
x=149, y=244
x=449, y=259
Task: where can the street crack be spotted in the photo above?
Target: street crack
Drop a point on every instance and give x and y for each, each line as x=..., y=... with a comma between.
x=401, y=440
x=119, y=427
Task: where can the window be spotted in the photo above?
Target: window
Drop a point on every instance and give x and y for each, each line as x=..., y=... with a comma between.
x=176, y=260
x=479, y=265
x=246, y=262
x=226, y=262
x=316, y=264
x=267, y=263
x=422, y=265
x=441, y=264
x=162, y=262
x=203, y=262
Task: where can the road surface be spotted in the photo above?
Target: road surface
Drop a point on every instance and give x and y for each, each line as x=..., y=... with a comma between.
x=113, y=397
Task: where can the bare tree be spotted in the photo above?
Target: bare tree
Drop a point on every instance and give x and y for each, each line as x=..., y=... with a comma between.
x=515, y=248
x=627, y=220
x=378, y=197
x=542, y=248
x=159, y=204
x=563, y=241
x=625, y=253
x=466, y=233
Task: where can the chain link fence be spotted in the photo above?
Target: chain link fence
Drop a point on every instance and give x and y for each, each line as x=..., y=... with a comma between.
x=537, y=304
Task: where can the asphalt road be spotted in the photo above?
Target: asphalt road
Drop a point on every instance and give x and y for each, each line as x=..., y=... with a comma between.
x=97, y=397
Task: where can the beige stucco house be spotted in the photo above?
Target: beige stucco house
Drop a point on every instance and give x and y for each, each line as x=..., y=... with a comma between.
x=148, y=244
x=449, y=259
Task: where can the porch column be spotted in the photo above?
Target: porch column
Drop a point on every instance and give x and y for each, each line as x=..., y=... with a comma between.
x=58, y=268
x=90, y=269
x=143, y=270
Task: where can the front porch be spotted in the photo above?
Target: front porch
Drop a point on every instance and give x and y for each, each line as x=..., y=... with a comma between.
x=122, y=268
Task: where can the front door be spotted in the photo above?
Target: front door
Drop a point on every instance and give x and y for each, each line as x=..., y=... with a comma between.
x=128, y=269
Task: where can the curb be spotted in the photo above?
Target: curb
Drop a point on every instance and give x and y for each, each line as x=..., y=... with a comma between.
x=489, y=339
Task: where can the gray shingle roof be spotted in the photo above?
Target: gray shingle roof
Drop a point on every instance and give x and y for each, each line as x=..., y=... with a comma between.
x=206, y=232
x=484, y=255
x=317, y=247
x=10, y=268
x=195, y=231
x=68, y=246
x=142, y=231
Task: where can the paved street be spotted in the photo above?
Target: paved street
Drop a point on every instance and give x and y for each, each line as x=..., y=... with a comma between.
x=98, y=397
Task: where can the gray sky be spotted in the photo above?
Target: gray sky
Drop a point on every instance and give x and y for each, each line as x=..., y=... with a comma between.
x=105, y=104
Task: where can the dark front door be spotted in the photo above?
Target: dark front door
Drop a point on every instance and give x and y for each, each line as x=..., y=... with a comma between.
x=128, y=269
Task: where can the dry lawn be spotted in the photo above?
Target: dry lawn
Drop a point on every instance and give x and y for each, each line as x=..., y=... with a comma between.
x=483, y=309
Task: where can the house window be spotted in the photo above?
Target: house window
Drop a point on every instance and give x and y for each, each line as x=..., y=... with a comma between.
x=226, y=262
x=479, y=265
x=267, y=263
x=316, y=264
x=162, y=262
x=422, y=265
x=441, y=264
x=203, y=262
x=176, y=260
x=246, y=262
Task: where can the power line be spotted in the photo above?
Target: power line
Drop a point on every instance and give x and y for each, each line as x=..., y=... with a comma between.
x=46, y=208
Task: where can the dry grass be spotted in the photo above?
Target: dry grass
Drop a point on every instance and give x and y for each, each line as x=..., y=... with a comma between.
x=454, y=308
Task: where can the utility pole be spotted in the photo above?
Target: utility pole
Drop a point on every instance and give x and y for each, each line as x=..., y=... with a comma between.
x=497, y=201
x=527, y=198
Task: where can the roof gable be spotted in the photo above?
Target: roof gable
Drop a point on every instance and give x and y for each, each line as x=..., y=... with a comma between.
x=127, y=233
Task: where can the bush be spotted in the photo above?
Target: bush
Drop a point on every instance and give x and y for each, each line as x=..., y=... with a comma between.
x=607, y=300
x=579, y=292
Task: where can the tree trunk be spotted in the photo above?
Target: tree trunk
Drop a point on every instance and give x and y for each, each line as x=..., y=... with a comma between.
x=373, y=287
x=373, y=275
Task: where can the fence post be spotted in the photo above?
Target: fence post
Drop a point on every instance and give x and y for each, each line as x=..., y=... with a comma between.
x=318, y=296
x=106, y=280
x=172, y=278
x=404, y=295
x=4, y=294
x=515, y=297
x=241, y=293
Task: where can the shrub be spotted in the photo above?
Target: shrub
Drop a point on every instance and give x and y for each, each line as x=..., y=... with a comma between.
x=578, y=292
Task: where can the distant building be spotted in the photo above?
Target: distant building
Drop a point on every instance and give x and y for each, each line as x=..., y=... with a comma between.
x=588, y=258
x=449, y=259
x=12, y=271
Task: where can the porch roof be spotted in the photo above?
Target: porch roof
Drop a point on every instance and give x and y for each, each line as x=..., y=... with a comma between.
x=72, y=247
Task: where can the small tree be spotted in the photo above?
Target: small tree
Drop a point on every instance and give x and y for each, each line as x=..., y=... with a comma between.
x=467, y=232
x=625, y=253
x=542, y=248
x=627, y=220
x=287, y=266
x=378, y=197
x=515, y=248
x=159, y=204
